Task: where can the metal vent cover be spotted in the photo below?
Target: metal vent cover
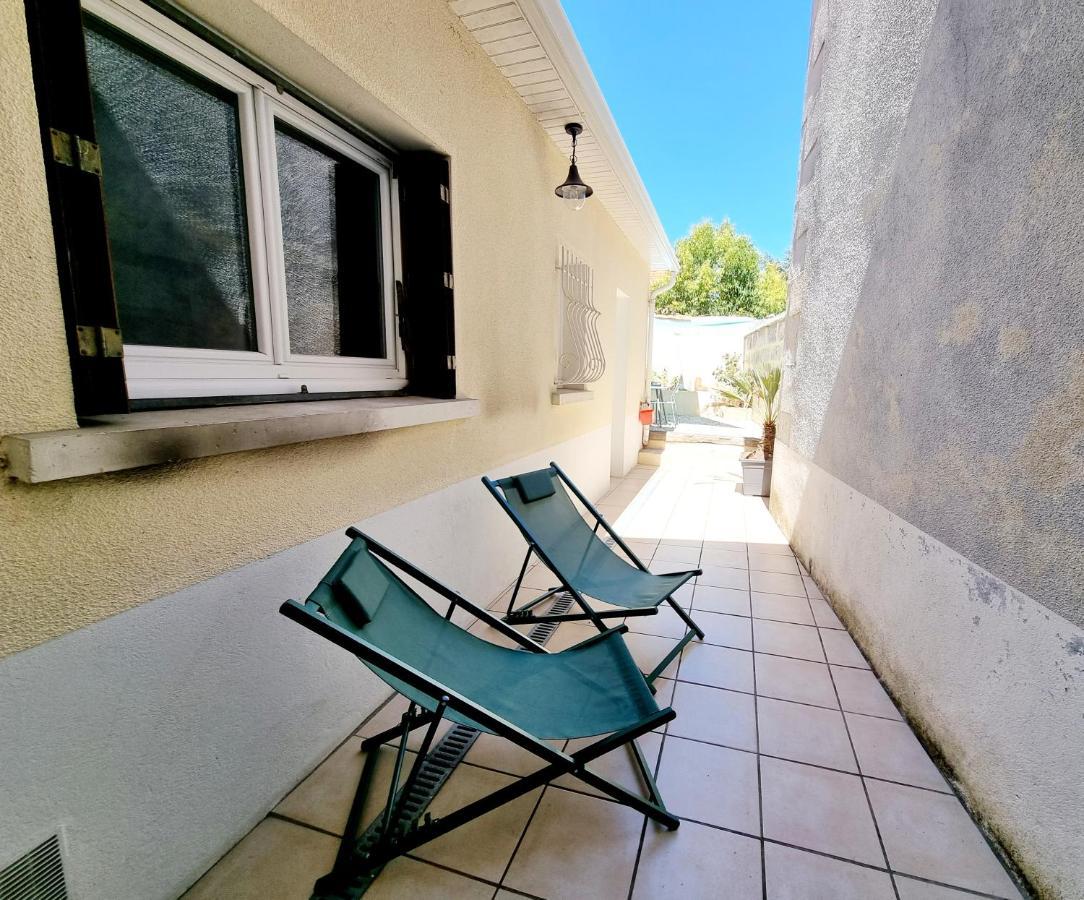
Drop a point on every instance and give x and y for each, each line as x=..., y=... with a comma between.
x=442, y=761
x=36, y=875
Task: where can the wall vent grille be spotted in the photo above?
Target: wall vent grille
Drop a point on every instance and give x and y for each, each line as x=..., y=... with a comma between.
x=36, y=875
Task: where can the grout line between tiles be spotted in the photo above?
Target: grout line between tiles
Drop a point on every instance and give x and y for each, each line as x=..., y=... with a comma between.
x=854, y=753
x=303, y=824
x=756, y=721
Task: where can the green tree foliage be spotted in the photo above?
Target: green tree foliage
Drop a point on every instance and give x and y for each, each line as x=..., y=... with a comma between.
x=722, y=273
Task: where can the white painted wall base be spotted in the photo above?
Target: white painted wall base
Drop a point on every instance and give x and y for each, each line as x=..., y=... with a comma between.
x=157, y=738
x=993, y=678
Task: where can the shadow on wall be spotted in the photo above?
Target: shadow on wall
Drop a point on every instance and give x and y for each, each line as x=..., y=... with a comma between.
x=956, y=403
x=940, y=373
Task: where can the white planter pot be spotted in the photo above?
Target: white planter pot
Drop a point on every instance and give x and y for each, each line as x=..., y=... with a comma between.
x=756, y=477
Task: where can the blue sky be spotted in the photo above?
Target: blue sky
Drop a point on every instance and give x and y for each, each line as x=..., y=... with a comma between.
x=708, y=96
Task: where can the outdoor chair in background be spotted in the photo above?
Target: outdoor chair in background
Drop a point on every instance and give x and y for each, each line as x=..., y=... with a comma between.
x=585, y=565
x=524, y=694
x=662, y=401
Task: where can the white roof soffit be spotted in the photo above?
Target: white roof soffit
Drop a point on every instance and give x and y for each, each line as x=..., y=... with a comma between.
x=533, y=45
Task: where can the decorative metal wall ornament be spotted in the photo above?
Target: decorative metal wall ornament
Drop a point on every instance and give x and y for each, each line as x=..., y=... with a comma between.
x=581, y=359
x=572, y=188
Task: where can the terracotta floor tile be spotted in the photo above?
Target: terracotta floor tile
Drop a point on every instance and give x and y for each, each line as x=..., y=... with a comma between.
x=796, y=875
x=665, y=623
x=932, y=836
x=616, y=766
x=784, y=639
x=817, y=809
x=780, y=547
x=727, y=559
x=725, y=630
x=484, y=846
x=794, y=679
x=697, y=861
x=715, y=715
x=649, y=650
x=681, y=557
x=773, y=562
x=911, y=889
x=861, y=692
x=782, y=608
x=577, y=846
x=736, y=546
x=804, y=733
x=824, y=614
x=776, y=583
x=493, y=752
x=570, y=633
x=721, y=577
x=721, y=600
x=406, y=877
x=888, y=749
x=722, y=667
x=275, y=859
x=842, y=650
x=710, y=784
x=324, y=798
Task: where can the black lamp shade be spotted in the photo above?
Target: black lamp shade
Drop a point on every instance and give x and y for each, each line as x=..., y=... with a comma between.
x=573, y=188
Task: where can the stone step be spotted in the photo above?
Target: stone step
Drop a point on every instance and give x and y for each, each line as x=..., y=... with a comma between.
x=650, y=456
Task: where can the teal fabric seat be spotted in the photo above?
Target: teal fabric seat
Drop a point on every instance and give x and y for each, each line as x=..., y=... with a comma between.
x=524, y=695
x=585, y=565
x=578, y=554
x=582, y=692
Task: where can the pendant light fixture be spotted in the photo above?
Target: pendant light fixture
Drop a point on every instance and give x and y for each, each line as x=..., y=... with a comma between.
x=572, y=188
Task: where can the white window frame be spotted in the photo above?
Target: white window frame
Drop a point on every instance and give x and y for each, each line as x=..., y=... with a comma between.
x=183, y=372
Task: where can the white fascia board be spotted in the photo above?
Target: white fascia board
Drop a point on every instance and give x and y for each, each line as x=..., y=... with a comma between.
x=557, y=38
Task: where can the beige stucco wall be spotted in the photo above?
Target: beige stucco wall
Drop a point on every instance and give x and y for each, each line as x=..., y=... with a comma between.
x=78, y=551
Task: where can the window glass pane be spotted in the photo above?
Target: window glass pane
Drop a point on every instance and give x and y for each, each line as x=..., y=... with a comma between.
x=332, y=249
x=174, y=198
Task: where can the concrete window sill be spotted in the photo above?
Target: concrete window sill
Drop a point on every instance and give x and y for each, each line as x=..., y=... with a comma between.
x=118, y=442
x=564, y=396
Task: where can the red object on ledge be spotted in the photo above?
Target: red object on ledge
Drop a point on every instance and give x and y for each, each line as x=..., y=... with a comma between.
x=646, y=415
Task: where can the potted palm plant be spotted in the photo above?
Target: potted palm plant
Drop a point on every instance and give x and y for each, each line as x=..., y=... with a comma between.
x=756, y=466
x=738, y=389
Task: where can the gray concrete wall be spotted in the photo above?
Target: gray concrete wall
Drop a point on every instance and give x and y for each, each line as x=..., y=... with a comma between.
x=934, y=389
x=763, y=348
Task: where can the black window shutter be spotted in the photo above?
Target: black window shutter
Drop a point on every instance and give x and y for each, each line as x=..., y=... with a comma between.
x=73, y=176
x=426, y=302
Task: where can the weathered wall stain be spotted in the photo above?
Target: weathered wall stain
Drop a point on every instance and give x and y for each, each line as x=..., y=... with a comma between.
x=942, y=322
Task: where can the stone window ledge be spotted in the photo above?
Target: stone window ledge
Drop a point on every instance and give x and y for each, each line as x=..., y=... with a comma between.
x=566, y=395
x=117, y=442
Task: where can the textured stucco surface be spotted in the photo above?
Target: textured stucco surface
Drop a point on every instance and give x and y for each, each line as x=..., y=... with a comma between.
x=940, y=362
x=991, y=677
x=180, y=723
x=78, y=551
x=930, y=467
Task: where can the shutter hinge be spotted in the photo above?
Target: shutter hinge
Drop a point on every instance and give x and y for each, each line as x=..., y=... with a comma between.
x=444, y=195
x=449, y=281
x=72, y=150
x=451, y=363
x=94, y=340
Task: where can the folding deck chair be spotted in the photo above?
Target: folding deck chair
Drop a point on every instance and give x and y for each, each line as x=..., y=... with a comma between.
x=526, y=695
x=586, y=567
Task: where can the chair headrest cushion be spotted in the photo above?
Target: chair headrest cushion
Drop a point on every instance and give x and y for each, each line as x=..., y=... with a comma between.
x=535, y=485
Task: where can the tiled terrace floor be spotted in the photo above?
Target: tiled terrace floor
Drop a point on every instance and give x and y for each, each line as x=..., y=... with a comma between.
x=792, y=770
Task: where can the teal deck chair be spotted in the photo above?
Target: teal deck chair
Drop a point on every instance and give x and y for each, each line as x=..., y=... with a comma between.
x=524, y=694
x=586, y=566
